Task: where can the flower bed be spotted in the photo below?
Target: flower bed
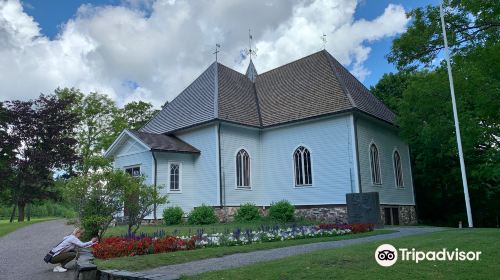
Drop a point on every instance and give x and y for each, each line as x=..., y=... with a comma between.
x=113, y=247
x=131, y=245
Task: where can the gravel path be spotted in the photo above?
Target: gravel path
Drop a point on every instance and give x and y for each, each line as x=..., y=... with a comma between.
x=241, y=259
x=22, y=251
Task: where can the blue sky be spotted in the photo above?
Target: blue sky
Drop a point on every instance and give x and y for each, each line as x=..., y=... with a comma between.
x=147, y=50
x=51, y=14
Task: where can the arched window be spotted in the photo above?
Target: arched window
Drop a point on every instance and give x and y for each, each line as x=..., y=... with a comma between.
x=375, y=164
x=302, y=166
x=398, y=171
x=242, y=169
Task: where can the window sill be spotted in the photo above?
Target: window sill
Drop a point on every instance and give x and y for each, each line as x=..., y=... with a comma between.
x=303, y=186
x=170, y=191
x=243, y=188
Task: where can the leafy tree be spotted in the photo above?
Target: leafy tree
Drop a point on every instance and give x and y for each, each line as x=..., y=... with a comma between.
x=101, y=122
x=7, y=155
x=390, y=88
x=107, y=194
x=97, y=112
x=426, y=121
x=420, y=95
x=469, y=23
x=132, y=116
x=422, y=100
x=41, y=130
x=98, y=199
x=140, y=200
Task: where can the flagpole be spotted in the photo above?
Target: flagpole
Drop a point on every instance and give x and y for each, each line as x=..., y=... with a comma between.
x=455, y=116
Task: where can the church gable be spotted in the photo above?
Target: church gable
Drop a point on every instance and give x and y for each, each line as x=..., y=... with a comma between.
x=130, y=147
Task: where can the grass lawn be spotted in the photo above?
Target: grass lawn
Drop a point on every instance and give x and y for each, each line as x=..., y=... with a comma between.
x=6, y=227
x=358, y=262
x=151, y=261
x=192, y=229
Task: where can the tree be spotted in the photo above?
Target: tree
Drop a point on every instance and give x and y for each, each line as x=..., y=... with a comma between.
x=41, y=131
x=426, y=121
x=101, y=122
x=390, y=88
x=97, y=112
x=98, y=199
x=140, y=200
x=108, y=194
x=420, y=94
x=469, y=23
x=132, y=116
x=7, y=155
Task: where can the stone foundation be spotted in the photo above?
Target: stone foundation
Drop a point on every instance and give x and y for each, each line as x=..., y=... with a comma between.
x=322, y=213
x=407, y=214
x=334, y=213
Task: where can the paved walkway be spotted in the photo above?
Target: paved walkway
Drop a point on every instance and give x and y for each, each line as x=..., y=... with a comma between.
x=242, y=259
x=22, y=251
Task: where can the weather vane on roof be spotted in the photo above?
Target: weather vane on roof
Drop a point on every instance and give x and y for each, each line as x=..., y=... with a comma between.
x=217, y=47
x=323, y=38
x=250, y=51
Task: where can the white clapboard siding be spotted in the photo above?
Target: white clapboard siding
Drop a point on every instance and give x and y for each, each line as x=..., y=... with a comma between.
x=387, y=140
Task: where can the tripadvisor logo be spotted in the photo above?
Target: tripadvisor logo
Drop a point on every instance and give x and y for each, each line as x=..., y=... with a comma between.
x=387, y=255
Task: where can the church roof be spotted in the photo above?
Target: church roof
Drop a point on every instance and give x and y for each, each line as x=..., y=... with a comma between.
x=161, y=142
x=313, y=86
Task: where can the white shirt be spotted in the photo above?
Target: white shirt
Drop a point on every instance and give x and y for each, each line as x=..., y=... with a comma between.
x=69, y=243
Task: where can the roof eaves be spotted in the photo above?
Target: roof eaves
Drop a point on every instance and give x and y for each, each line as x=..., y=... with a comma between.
x=177, y=151
x=310, y=118
x=357, y=110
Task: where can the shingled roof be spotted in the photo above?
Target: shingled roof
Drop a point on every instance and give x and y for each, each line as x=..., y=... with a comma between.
x=313, y=86
x=161, y=142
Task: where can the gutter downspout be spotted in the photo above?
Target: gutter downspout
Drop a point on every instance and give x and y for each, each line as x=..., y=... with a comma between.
x=222, y=185
x=154, y=182
x=355, y=127
x=221, y=190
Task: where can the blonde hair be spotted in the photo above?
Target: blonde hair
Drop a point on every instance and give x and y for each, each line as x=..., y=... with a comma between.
x=78, y=230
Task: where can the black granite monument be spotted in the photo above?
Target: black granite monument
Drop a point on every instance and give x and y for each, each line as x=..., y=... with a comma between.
x=363, y=208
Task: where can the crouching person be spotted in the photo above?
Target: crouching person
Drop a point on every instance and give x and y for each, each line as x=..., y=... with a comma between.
x=67, y=250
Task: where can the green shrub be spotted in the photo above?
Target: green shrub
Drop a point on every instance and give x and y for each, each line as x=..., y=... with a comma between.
x=282, y=211
x=202, y=215
x=172, y=215
x=248, y=212
x=93, y=225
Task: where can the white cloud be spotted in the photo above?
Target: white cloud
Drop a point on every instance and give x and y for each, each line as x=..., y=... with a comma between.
x=151, y=50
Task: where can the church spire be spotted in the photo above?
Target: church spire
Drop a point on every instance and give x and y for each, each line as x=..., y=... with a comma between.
x=251, y=72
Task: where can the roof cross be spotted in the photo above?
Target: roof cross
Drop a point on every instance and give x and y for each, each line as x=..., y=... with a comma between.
x=217, y=47
x=323, y=39
x=250, y=51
